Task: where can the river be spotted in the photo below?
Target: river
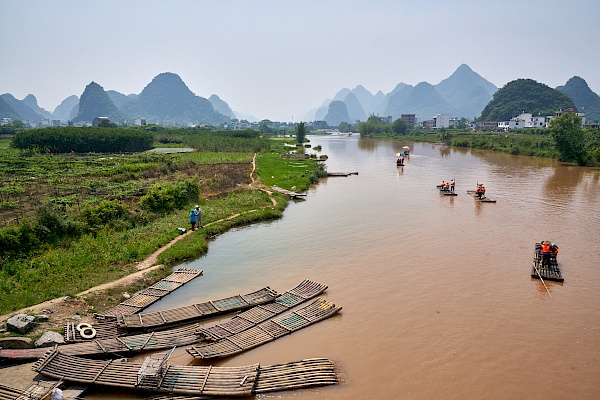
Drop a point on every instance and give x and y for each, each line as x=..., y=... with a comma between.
x=437, y=298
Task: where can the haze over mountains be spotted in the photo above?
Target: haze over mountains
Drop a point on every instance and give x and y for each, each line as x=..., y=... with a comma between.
x=463, y=94
x=167, y=100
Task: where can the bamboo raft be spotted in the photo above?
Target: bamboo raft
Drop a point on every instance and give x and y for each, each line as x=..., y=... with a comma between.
x=37, y=391
x=144, y=298
x=251, y=318
x=342, y=173
x=189, y=380
x=113, y=347
x=292, y=195
x=480, y=199
x=549, y=271
x=267, y=331
x=446, y=192
x=135, y=323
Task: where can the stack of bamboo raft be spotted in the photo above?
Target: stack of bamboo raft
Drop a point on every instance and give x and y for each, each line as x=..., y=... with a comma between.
x=183, y=336
x=272, y=316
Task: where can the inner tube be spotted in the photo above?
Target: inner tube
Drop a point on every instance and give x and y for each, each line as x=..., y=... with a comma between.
x=84, y=333
x=82, y=326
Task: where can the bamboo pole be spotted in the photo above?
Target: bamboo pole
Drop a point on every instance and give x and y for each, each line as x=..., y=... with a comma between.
x=541, y=279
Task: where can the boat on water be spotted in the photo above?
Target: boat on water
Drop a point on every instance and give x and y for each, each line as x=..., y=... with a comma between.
x=447, y=188
x=545, y=266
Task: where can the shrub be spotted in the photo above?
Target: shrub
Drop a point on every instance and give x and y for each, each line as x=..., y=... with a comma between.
x=167, y=197
x=106, y=212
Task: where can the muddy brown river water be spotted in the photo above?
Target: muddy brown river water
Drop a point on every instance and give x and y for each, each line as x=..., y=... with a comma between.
x=437, y=298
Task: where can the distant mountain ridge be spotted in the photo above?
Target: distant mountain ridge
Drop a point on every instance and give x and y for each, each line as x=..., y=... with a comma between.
x=167, y=100
x=463, y=94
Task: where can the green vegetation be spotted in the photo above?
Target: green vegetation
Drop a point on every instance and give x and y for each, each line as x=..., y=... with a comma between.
x=300, y=133
x=290, y=173
x=525, y=95
x=526, y=142
x=569, y=138
x=83, y=140
x=75, y=221
x=529, y=143
x=374, y=127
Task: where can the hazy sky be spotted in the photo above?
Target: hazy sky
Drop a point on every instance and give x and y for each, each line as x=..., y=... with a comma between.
x=279, y=59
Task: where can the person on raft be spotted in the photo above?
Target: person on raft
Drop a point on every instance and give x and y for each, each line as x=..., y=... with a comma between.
x=546, y=252
x=480, y=192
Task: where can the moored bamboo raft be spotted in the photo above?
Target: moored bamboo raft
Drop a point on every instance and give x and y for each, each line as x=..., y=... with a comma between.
x=292, y=195
x=176, y=316
x=342, y=173
x=306, y=290
x=287, y=376
x=190, y=380
x=37, y=391
x=144, y=298
x=182, y=336
x=267, y=331
x=9, y=393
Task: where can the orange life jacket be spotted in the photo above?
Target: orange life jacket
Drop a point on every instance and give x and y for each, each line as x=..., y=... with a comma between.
x=545, y=248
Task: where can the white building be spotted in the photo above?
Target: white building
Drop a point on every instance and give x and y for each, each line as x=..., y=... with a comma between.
x=441, y=121
x=527, y=120
x=523, y=120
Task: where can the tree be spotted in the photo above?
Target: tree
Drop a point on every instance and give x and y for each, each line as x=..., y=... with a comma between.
x=400, y=126
x=263, y=127
x=569, y=138
x=344, y=127
x=446, y=136
x=300, y=132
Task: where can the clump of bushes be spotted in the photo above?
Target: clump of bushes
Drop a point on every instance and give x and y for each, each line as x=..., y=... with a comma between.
x=167, y=196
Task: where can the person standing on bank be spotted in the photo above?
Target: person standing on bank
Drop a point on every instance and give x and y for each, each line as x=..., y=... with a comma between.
x=198, y=212
x=193, y=219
